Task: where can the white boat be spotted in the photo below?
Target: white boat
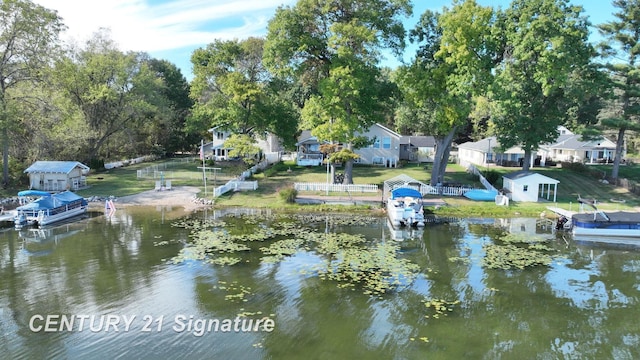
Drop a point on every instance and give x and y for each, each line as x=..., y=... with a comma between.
x=49, y=208
x=404, y=207
x=609, y=224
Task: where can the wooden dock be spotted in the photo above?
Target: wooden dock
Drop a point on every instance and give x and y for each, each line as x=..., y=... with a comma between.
x=562, y=212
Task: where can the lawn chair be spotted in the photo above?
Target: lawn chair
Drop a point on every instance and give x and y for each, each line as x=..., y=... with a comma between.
x=158, y=185
x=167, y=185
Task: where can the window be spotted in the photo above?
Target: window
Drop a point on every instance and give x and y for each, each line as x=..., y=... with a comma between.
x=386, y=142
x=219, y=135
x=525, y=188
x=376, y=143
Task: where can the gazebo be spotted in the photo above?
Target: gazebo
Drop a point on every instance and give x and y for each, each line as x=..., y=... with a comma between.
x=403, y=180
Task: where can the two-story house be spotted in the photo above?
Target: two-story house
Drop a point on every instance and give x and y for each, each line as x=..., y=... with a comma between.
x=384, y=148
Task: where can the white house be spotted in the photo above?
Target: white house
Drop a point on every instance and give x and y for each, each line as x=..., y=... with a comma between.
x=384, y=148
x=568, y=147
x=486, y=151
x=269, y=144
x=529, y=186
x=308, y=150
x=57, y=175
x=216, y=149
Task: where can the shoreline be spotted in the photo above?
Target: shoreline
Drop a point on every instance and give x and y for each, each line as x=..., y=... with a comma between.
x=178, y=196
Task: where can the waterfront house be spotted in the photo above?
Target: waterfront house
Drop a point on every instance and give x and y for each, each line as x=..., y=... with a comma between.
x=384, y=148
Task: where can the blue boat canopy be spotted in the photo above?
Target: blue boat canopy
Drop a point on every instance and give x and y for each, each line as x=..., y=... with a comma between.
x=403, y=191
x=52, y=201
x=34, y=193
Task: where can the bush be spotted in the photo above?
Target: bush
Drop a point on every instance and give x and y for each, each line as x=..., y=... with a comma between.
x=492, y=176
x=575, y=166
x=271, y=171
x=289, y=195
x=96, y=164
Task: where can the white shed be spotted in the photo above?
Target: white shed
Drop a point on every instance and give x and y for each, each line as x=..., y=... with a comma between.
x=529, y=186
x=57, y=175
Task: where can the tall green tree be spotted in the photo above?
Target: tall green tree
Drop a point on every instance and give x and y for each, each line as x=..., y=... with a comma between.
x=621, y=49
x=28, y=39
x=171, y=133
x=453, y=64
x=114, y=92
x=334, y=48
x=546, y=42
x=233, y=90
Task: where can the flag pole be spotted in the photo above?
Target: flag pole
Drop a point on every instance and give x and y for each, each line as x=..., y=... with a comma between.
x=204, y=173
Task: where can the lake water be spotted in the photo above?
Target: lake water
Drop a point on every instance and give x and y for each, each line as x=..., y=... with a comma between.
x=107, y=287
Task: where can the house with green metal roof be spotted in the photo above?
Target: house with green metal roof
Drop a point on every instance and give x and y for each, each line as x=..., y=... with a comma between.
x=56, y=176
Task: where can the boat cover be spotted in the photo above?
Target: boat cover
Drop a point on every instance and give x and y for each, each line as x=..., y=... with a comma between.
x=52, y=201
x=34, y=193
x=481, y=195
x=403, y=192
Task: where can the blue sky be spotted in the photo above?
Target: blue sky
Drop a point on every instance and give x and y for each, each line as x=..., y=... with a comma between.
x=173, y=29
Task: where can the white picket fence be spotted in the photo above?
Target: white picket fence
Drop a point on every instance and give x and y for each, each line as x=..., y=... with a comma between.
x=445, y=190
x=352, y=188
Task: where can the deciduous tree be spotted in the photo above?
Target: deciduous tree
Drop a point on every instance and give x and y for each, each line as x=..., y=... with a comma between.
x=233, y=90
x=113, y=91
x=334, y=48
x=28, y=39
x=453, y=64
x=546, y=43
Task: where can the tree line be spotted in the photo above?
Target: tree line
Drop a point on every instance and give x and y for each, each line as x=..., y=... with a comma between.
x=515, y=73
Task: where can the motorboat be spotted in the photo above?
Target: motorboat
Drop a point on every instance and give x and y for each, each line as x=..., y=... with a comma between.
x=404, y=207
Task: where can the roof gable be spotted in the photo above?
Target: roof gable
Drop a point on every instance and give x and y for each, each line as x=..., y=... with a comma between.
x=385, y=129
x=63, y=167
x=529, y=176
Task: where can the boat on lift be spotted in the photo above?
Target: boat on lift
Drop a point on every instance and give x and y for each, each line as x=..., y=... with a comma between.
x=48, y=208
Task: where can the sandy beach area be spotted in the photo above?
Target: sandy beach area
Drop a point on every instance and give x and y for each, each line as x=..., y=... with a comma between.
x=178, y=196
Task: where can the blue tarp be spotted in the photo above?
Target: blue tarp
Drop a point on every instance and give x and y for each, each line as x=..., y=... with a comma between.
x=402, y=192
x=34, y=193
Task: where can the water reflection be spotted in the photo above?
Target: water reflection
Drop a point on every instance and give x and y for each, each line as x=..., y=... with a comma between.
x=583, y=305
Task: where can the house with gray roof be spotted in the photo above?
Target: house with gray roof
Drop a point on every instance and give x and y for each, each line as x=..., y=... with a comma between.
x=57, y=175
x=568, y=147
x=488, y=151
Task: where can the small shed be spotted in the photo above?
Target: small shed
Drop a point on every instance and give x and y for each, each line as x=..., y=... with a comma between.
x=57, y=175
x=529, y=186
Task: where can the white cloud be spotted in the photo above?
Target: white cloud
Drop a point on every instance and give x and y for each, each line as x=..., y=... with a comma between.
x=144, y=25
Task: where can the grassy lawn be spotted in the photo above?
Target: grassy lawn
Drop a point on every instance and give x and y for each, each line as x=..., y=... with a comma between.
x=125, y=181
